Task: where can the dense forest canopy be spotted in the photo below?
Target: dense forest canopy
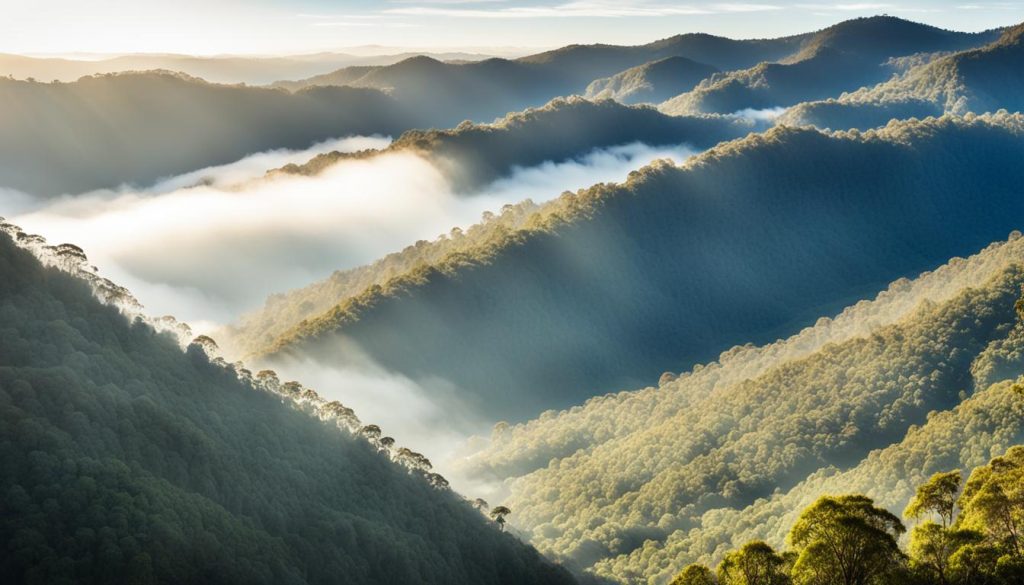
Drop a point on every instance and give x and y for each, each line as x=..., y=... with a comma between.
x=850, y=212
x=127, y=459
x=985, y=79
x=733, y=452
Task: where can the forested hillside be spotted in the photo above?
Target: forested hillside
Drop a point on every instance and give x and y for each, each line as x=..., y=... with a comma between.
x=637, y=485
x=752, y=238
x=841, y=58
x=472, y=155
x=979, y=80
x=107, y=130
x=128, y=460
x=652, y=82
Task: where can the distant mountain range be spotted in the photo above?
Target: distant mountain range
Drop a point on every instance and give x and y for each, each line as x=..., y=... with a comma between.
x=986, y=79
x=841, y=58
x=750, y=239
x=218, y=69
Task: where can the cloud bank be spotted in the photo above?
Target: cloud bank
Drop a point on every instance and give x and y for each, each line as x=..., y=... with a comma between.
x=211, y=244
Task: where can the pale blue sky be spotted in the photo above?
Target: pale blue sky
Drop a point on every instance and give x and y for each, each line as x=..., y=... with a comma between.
x=296, y=26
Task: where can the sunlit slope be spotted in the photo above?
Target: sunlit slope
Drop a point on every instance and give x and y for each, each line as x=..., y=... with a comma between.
x=652, y=82
x=128, y=460
x=980, y=80
x=470, y=157
x=607, y=288
x=841, y=58
x=138, y=127
x=735, y=450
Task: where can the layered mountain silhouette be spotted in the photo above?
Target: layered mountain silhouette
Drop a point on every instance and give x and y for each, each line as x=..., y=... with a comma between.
x=978, y=80
x=606, y=288
x=135, y=128
x=844, y=57
x=652, y=82
x=219, y=69
x=127, y=459
x=448, y=93
x=473, y=155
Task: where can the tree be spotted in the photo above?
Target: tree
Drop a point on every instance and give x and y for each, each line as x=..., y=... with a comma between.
x=499, y=514
x=932, y=547
x=936, y=496
x=993, y=501
x=756, y=563
x=695, y=574
x=845, y=540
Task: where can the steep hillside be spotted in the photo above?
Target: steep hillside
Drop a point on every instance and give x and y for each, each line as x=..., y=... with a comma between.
x=473, y=155
x=135, y=128
x=447, y=93
x=126, y=459
x=978, y=80
x=873, y=402
x=652, y=82
x=841, y=58
x=609, y=287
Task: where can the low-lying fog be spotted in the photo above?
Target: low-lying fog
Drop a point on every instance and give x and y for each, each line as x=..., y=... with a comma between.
x=211, y=244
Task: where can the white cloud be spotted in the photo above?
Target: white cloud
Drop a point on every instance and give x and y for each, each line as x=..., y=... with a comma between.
x=209, y=245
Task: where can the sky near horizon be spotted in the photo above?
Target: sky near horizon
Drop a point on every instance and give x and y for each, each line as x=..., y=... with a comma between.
x=205, y=27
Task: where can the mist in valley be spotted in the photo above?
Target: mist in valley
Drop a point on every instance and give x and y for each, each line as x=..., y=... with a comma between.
x=211, y=244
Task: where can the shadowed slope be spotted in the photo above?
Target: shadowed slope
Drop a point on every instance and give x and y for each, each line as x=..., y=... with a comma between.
x=978, y=80
x=609, y=287
x=126, y=459
x=844, y=57
x=138, y=127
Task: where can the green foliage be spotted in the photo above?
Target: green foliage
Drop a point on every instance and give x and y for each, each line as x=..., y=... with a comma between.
x=127, y=460
x=845, y=540
x=755, y=563
x=936, y=497
x=993, y=501
x=934, y=549
x=695, y=574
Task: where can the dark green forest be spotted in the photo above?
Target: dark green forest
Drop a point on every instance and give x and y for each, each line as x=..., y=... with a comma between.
x=125, y=459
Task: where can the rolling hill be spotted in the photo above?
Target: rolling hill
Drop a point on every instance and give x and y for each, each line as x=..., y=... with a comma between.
x=652, y=82
x=100, y=132
x=473, y=155
x=127, y=459
x=635, y=485
x=978, y=80
x=844, y=57
x=608, y=287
